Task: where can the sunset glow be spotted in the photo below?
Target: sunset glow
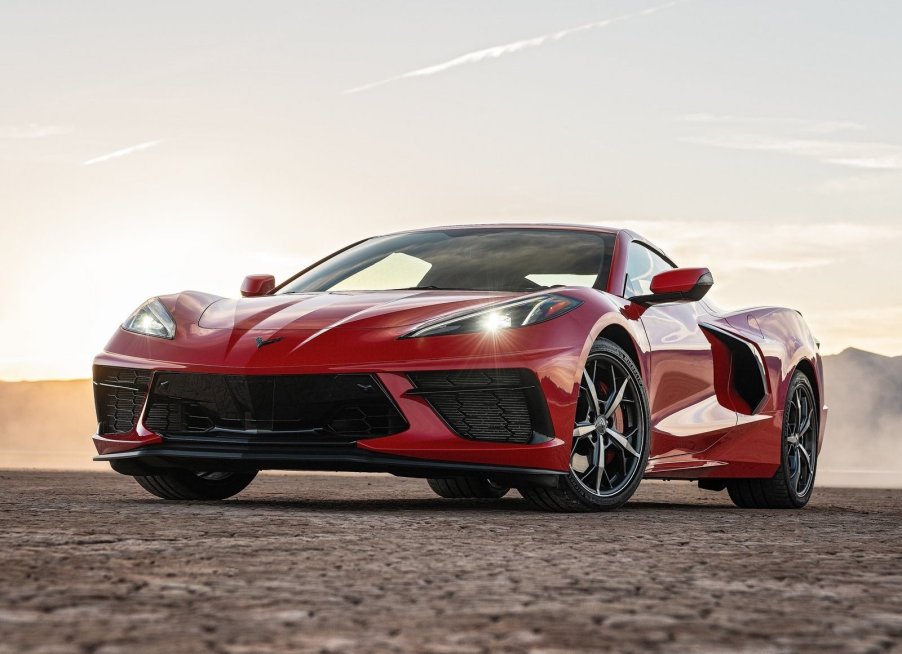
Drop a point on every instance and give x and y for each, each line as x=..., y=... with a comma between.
x=152, y=150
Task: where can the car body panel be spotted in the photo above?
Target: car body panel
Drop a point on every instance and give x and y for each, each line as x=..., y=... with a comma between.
x=317, y=311
x=699, y=429
x=684, y=409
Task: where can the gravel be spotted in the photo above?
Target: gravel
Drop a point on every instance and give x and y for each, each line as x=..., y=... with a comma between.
x=338, y=563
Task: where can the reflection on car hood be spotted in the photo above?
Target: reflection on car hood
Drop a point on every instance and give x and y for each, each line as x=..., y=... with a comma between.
x=369, y=309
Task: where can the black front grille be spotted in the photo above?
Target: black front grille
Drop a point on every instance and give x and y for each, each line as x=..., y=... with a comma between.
x=119, y=396
x=490, y=405
x=346, y=407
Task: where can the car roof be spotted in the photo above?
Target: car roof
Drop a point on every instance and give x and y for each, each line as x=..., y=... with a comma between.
x=561, y=226
x=630, y=234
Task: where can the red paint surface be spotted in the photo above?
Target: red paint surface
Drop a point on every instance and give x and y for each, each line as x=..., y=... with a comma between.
x=678, y=280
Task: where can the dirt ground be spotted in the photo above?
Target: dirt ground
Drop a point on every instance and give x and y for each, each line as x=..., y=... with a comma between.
x=89, y=563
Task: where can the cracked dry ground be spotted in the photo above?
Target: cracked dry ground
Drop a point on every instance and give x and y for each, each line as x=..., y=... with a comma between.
x=375, y=563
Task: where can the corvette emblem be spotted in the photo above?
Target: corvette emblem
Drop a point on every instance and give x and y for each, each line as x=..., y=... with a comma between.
x=267, y=341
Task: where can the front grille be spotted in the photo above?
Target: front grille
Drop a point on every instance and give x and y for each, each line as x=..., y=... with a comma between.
x=119, y=396
x=293, y=406
x=489, y=405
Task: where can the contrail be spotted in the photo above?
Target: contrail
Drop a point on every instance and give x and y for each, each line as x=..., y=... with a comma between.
x=510, y=48
x=120, y=153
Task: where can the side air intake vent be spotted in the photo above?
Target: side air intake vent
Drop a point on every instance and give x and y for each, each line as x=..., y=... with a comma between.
x=489, y=405
x=739, y=376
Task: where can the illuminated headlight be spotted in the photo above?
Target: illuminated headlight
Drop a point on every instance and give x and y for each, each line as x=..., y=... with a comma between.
x=501, y=316
x=151, y=319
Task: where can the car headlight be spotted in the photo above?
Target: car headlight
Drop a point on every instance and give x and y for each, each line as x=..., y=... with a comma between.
x=151, y=319
x=505, y=315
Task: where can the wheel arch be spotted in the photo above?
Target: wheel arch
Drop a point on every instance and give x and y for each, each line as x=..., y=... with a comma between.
x=812, y=368
x=806, y=368
x=619, y=335
x=618, y=322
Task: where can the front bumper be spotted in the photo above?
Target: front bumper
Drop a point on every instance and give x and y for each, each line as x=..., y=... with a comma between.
x=427, y=443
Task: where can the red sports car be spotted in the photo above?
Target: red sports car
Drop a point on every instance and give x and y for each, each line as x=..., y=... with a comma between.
x=564, y=361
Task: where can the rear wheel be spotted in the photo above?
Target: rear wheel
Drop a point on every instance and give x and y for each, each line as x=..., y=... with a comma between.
x=467, y=487
x=792, y=484
x=611, y=437
x=188, y=485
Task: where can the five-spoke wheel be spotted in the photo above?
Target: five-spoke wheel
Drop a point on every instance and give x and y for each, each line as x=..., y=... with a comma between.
x=609, y=448
x=792, y=484
x=609, y=433
x=802, y=440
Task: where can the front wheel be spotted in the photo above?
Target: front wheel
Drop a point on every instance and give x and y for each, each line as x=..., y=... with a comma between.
x=188, y=485
x=467, y=488
x=611, y=437
x=792, y=484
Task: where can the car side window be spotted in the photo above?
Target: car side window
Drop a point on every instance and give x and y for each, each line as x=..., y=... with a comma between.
x=641, y=265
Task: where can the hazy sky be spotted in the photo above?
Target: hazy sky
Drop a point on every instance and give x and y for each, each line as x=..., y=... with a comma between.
x=150, y=147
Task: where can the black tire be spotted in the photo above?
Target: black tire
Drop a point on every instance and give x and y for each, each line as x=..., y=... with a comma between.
x=782, y=491
x=187, y=485
x=571, y=495
x=457, y=488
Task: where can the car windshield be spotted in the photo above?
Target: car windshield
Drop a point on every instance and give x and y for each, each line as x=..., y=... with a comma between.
x=483, y=259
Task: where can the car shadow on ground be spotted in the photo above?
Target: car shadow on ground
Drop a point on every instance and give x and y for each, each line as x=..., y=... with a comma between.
x=434, y=506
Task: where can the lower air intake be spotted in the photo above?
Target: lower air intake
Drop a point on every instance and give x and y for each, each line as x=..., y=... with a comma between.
x=119, y=396
x=294, y=406
x=488, y=405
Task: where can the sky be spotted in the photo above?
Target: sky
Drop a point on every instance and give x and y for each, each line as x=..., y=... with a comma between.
x=153, y=147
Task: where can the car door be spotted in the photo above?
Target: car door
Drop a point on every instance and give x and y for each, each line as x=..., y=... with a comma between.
x=686, y=416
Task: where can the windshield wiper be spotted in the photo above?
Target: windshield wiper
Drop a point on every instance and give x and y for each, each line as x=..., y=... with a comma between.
x=433, y=288
x=478, y=290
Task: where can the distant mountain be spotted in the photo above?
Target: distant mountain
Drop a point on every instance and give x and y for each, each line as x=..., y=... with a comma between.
x=883, y=374
x=48, y=424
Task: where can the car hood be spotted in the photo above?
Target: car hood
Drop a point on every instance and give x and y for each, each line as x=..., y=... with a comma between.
x=318, y=311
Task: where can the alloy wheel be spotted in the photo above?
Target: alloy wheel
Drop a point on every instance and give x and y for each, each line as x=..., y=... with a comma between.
x=214, y=476
x=802, y=441
x=610, y=430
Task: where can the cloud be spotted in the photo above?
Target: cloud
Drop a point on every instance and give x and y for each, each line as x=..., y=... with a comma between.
x=863, y=183
x=120, y=153
x=733, y=247
x=799, y=124
x=870, y=155
x=15, y=132
x=498, y=51
x=796, y=137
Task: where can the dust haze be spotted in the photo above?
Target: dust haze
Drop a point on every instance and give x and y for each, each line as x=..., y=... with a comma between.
x=863, y=446
x=49, y=424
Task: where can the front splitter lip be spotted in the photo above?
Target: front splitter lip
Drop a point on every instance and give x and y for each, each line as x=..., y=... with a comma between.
x=350, y=459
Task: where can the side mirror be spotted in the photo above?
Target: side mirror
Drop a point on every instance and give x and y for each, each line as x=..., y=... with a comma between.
x=677, y=285
x=256, y=285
